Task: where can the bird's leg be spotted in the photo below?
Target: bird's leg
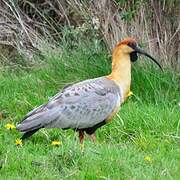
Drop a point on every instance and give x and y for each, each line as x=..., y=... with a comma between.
x=92, y=137
x=81, y=136
x=81, y=139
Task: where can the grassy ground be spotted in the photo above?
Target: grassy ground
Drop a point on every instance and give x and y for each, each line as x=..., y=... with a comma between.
x=142, y=142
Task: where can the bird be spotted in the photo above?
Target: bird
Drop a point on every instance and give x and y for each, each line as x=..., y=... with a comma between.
x=87, y=105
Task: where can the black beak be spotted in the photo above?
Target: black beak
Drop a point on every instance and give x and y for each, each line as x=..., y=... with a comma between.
x=141, y=51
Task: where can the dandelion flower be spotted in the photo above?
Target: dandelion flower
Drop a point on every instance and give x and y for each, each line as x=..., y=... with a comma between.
x=10, y=126
x=148, y=159
x=18, y=142
x=130, y=93
x=56, y=143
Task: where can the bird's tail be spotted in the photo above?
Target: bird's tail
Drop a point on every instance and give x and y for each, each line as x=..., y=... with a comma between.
x=31, y=123
x=29, y=126
x=38, y=118
x=29, y=133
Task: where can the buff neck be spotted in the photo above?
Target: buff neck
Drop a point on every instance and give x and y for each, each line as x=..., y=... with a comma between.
x=121, y=71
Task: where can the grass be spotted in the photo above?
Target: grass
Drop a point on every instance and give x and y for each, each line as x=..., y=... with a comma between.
x=142, y=142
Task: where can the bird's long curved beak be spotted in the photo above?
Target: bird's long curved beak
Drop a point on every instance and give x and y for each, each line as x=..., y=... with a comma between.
x=141, y=51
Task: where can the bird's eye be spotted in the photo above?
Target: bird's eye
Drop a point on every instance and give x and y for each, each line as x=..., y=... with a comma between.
x=132, y=45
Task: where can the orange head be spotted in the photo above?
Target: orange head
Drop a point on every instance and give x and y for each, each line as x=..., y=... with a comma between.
x=127, y=41
x=129, y=46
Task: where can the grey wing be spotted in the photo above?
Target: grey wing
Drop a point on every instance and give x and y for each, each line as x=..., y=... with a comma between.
x=42, y=115
x=82, y=105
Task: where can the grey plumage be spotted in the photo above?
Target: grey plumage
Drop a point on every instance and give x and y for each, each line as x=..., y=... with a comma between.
x=78, y=106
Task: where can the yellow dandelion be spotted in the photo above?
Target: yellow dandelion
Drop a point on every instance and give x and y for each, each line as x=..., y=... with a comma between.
x=18, y=142
x=56, y=143
x=10, y=126
x=148, y=159
x=130, y=93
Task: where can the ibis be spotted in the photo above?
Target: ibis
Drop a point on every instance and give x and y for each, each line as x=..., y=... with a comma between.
x=89, y=104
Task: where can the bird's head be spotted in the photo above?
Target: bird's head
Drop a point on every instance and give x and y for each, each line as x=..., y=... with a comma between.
x=129, y=46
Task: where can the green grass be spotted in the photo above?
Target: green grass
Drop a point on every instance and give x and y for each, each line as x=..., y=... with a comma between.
x=147, y=124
